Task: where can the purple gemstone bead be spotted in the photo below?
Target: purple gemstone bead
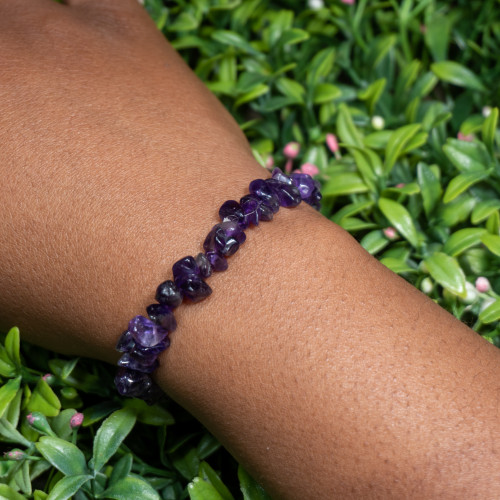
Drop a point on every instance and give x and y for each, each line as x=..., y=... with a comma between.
x=250, y=204
x=224, y=238
x=261, y=189
x=231, y=210
x=280, y=176
x=315, y=199
x=193, y=287
x=155, y=350
x=185, y=267
x=162, y=315
x=218, y=262
x=204, y=265
x=304, y=183
x=135, y=361
x=265, y=212
x=132, y=383
x=145, y=332
x=168, y=294
x=288, y=194
x=126, y=342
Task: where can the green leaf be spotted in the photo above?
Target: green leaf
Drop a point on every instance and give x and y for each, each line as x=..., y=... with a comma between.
x=491, y=313
x=351, y=209
x=400, y=218
x=372, y=94
x=149, y=414
x=457, y=210
x=353, y=224
x=344, y=183
x=346, y=129
x=185, y=21
x=467, y=155
x=111, y=434
x=12, y=345
x=67, y=486
x=489, y=130
x=44, y=400
x=93, y=414
x=10, y=433
x=234, y=39
x=447, y=272
x=61, y=424
x=483, y=210
x=40, y=495
x=291, y=88
x=63, y=455
x=292, y=36
x=208, y=474
x=131, y=488
x=462, y=182
x=377, y=140
x=199, y=489
x=398, y=266
x=455, y=73
x=14, y=410
x=398, y=141
x=369, y=165
x=491, y=242
x=122, y=468
x=320, y=66
x=7, y=493
x=374, y=241
x=424, y=85
x=325, y=92
x=493, y=223
x=257, y=91
x=430, y=187
x=7, y=369
x=250, y=488
x=462, y=240
x=8, y=392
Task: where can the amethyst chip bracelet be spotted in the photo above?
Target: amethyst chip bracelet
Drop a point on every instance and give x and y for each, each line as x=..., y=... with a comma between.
x=147, y=337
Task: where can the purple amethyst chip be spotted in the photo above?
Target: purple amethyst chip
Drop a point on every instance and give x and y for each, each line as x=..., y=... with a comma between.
x=145, y=332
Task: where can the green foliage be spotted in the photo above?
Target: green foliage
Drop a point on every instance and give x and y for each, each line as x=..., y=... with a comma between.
x=416, y=195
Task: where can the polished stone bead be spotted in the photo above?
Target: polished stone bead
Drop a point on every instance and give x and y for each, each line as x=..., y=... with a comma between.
x=132, y=383
x=168, y=294
x=145, y=332
x=263, y=191
x=280, y=176
x=154, y=350
x=315, y=199
x=288, y=194
x=250, y=205
x=163, y=316
x=185, y=267
x=304, y=183
x=265, y=212
x=126, y=342
x=204, y=265
x=224, y=238
x=231, y=210
x=135, y=361
x=193, y=288
x=218, y=261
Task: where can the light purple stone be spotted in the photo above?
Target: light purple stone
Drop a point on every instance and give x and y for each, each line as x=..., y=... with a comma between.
x=145, y=332
x=126, y=342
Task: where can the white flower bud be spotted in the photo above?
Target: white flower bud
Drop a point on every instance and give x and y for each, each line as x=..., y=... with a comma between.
x=378, y=123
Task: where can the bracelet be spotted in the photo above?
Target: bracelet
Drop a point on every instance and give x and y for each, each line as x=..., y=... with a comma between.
x=145, y=337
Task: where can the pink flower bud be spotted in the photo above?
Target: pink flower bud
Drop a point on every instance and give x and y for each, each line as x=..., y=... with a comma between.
x=76, y=420
x=15, y=454
x=400, y=185
x=349, y=2
x=297, y=171
x=467, y=138
x=423, y=29
x=30, y=418
x=270, y=161
x=291, y=150
x=390, y=233
x=483, y=284
x=332, y=143
x=288, y=166
x=310, y=169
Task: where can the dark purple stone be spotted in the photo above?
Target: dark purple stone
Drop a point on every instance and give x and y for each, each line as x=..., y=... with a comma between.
x=280, y=176
x=193, y=287
x=145, y=332
x=261, y=189
x=288, y=194
x=155, y=350
x=304, y=183
x=218, y=262
x=185, y=267
x=162, y=315
x=224, y=238
x=231, y=210
x=315, y=199
x=250, y=204
x=132, y=383
x=168, y=294
x=204, y=265
x=126, y=342
x=135, y=361
x=265, y=212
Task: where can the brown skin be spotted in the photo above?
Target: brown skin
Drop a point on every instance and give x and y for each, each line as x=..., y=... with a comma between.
x=324, y=373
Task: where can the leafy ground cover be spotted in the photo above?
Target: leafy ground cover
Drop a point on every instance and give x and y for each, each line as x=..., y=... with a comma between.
x=392, y=105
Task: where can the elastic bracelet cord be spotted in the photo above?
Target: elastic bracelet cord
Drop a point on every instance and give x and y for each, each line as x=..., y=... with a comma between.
x=145, y=337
